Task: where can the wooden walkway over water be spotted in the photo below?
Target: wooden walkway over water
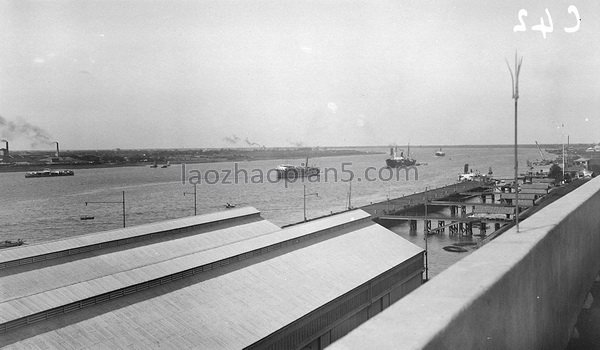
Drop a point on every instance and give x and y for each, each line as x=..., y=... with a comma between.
x=495, y=209
x=405, y=203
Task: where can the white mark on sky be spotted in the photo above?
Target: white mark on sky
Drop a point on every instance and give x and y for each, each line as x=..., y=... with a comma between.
x=332, y=107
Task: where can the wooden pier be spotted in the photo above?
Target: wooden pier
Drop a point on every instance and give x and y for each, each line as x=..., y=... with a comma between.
x=495, y=208
x=406, y=208
x=462, y=225
x=413, y=201
x=456, y=219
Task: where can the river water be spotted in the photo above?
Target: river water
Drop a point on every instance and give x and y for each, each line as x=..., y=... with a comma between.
x=43, y=209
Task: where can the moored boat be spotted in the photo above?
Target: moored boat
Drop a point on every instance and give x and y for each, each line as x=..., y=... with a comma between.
x=440, y=153
x=10, y=243
x=470, y=175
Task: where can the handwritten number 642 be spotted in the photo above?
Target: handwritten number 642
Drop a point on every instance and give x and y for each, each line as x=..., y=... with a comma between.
x=542, y=27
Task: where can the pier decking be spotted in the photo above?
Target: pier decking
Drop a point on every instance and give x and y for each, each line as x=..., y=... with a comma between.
x=417, y=199
x=496, y=206
x=455, y=219
x=408, y=208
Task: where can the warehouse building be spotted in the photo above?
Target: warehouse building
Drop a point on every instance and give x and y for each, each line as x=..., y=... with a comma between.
x=228, y=280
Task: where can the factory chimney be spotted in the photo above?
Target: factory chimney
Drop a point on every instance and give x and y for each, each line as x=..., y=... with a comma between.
x=57, y=151
x=5, y=150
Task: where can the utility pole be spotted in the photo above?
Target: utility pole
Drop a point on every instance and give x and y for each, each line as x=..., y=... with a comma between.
x=350, y=197
x=195, y=199
x=515, y=96
x=563, y=160
x=307, y=194
x=426, y=231
x=564, y=153
x=120, y=202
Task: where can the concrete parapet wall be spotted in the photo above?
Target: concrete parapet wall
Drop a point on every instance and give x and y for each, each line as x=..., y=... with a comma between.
x=521, y=291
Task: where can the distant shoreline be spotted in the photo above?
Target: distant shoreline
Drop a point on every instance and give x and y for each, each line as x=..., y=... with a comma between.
x=8, y=168
x=310, y=148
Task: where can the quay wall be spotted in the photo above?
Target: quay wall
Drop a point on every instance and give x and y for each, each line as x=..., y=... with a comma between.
x=522, y=290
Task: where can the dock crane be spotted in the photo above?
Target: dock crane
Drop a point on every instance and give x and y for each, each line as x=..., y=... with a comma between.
x=540, y=150
x=543, y=161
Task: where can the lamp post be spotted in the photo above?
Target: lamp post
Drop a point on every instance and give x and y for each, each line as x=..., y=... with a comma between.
x=120, y=202
x=305, y=195
x=195, y=199
x=515, y=96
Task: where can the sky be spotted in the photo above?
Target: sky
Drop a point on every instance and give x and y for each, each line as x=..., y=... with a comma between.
x=193, y=74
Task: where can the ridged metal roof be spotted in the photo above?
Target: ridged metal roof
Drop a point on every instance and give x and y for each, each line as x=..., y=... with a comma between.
x=25, y=294
x=235, y=308
x=75, y=272
x=31, y=251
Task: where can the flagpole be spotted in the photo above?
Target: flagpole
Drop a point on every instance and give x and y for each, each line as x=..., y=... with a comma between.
x=515, y=96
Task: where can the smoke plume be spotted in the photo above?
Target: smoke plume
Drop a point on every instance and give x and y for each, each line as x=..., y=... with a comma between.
x=22, y=129
x=250, y=143
x=232, y=139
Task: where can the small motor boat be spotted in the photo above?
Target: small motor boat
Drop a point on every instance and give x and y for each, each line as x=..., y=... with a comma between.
x=10, y=243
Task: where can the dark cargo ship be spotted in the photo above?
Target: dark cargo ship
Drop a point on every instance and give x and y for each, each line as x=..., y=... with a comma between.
x=396, y=161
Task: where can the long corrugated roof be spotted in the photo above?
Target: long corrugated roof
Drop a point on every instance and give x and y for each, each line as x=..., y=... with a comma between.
x=236, y=309
x=74, y=272
x=31, y=251
x=80, y=280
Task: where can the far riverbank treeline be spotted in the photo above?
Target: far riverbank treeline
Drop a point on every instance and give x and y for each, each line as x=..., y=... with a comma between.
x=31, y=160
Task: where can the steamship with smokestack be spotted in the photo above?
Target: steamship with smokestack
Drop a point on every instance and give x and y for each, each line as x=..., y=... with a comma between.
x=286, y=171
x=395, y=161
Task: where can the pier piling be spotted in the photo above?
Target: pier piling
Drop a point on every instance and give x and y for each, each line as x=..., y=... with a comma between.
x=441, y=224
x=413, y=225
